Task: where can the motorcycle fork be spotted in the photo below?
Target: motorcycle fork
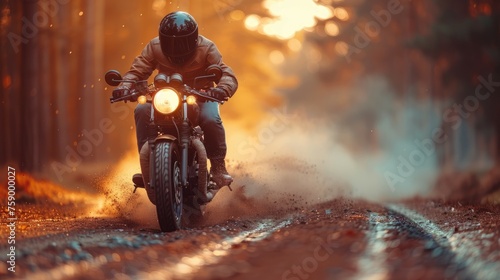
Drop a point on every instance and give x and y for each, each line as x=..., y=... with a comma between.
x=184, y=141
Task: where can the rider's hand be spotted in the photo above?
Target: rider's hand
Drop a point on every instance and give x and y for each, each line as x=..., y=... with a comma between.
x=120, y=92
x=218, y=94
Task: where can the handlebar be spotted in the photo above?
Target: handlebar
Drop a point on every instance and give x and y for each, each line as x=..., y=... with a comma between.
x=125, y=98
x=200, y=94
x=132, y=97
x=136, y=93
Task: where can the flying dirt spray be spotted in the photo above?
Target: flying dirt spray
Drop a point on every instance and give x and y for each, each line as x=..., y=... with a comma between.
x=118, y=198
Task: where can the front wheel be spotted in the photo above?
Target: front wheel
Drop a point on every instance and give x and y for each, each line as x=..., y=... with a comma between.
x=167, y=185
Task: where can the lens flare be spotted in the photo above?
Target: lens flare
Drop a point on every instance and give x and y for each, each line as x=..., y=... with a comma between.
x=332, y=29
x=252, y=22
x=341, y=14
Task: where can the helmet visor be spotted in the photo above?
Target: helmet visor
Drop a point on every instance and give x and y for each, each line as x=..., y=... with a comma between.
x=178, y=46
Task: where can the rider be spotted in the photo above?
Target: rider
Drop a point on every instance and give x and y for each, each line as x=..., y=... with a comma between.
x=179, y=49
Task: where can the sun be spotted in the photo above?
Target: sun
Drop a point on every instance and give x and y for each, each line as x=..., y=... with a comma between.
x=288, y=17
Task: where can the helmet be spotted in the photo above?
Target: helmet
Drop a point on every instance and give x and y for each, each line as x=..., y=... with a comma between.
x=178, y=34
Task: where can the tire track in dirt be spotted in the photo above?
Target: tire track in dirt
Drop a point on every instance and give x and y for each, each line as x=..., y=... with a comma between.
x=465, y=256
x=340, y=239
x=143, y=255
x=372, y=264
x=190, y=264
x=400, y=241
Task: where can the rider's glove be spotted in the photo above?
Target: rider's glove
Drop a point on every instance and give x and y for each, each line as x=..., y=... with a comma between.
x=120, y=92
x=218, y=94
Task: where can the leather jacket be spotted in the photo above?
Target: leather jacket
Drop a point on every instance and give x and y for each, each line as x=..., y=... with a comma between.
x=205, y=55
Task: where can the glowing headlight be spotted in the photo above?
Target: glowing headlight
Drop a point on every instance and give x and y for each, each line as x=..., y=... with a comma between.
x=166, y=101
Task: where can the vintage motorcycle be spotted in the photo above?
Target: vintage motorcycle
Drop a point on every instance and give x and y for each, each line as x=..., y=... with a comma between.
x=174, y=161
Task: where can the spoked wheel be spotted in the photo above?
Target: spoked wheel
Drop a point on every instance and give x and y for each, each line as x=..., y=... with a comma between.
x=168, y=186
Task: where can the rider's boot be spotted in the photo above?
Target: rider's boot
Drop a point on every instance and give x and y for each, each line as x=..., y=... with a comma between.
x=219, y=173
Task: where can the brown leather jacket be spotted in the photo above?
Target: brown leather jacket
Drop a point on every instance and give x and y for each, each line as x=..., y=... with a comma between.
x=206, y=54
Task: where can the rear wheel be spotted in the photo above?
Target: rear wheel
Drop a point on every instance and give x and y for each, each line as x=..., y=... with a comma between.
x=168, y=186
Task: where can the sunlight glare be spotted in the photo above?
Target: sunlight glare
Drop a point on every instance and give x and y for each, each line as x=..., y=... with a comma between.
x=323, y=12
x=252, y=22
x=288, y=17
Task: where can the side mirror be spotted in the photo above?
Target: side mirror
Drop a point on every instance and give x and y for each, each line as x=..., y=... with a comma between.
x=113, y=78
x=216, y=71
x=213, y=75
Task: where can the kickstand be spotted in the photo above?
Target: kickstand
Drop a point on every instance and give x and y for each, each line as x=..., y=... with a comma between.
x=135, y=188
x=229, y=186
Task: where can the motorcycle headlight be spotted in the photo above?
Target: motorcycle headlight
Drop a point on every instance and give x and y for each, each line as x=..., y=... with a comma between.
x=166, y=101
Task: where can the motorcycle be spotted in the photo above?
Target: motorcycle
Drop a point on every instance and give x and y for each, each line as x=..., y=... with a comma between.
x=174, y=161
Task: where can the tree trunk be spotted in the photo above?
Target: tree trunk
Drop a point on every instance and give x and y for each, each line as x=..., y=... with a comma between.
x=44, y=104
x=30, y=160
x=62, y=82
x=92, y=96
x=10, y=85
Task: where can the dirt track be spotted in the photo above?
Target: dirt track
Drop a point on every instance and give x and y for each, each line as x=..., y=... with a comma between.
x=340, y=239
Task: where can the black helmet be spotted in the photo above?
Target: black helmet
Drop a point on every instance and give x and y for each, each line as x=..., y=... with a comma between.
x=178, y=36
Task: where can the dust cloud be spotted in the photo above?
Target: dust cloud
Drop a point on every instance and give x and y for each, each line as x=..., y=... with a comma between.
x=118, y=199
x=318, y=157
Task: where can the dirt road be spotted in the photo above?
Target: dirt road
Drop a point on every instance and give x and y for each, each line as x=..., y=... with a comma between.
x=339, y=239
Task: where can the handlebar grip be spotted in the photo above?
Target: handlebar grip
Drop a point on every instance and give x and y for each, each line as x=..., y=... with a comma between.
x=124, y=98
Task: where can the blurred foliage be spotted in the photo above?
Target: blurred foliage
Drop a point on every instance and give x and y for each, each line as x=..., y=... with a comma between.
x=430, y=55
x=464, y=39
x=467, y=35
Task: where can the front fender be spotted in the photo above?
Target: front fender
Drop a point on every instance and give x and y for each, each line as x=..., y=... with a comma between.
x=164, y=137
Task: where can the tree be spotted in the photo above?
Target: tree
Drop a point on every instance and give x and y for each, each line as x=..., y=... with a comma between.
x=30, y=136
x=465, y=40
x=11, y=42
